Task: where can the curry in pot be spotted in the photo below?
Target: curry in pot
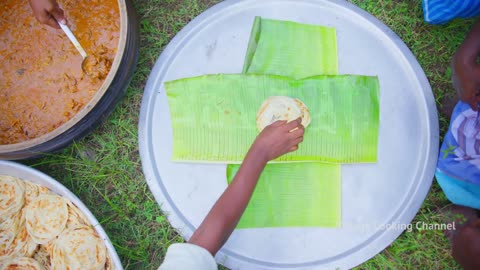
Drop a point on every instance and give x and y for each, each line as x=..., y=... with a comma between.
x=42, y=84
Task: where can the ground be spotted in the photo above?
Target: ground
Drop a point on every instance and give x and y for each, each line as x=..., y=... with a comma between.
x=104, y=168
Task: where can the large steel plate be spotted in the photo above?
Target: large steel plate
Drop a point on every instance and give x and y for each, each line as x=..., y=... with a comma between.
x=29, y=174
x=378, y=200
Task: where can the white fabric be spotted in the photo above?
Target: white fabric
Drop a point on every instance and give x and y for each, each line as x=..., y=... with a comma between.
x=188, y=257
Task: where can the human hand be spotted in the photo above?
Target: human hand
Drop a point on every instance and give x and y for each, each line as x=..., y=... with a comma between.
x=278, y=139
x=466, y=76
x=48, y=12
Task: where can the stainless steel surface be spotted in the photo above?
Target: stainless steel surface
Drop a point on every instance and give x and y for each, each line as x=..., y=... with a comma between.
x=379, y=200
x=26, y=173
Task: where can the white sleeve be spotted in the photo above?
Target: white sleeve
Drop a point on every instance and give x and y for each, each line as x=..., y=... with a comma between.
x=188, y=257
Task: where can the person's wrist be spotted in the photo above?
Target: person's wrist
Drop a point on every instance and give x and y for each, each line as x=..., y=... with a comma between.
x=259, y=153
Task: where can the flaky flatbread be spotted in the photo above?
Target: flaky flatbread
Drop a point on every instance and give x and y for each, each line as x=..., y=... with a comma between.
x=42, y=230
x=22, y=263
x=43, y=254
x=33, y=190
x=282, y=108
x=75, y=217
x=11, y=196
x=78, y=248
x=21, y=245
x=9, y=229
x=46, y=217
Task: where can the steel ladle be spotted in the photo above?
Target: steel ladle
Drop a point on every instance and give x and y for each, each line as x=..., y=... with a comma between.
x=75, y=42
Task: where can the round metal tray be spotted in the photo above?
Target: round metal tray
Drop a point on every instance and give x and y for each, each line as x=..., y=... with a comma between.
x=29, y=174
x=378, y=200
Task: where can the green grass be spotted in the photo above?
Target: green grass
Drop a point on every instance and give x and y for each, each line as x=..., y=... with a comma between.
x=104, y=169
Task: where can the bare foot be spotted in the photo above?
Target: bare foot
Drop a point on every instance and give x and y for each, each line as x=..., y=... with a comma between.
x=458, y=216
x=466, y=245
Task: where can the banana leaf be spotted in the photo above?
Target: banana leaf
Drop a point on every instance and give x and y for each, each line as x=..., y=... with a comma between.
x=215, y=122
x=291, y=49
x=214, y=116
x=294, y=195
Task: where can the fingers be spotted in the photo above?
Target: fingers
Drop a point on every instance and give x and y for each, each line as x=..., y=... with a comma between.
x=294, y=124
x=58, y=15
x=44, y=17
x=52, y=23
x=293, y=148
x=278, y=123
x=297, y=132
x=298, y=140
x=48, y=12
x=295, y=142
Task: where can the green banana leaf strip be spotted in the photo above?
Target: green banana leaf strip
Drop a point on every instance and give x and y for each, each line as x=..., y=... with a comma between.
x=313, y=189
x=214, y=116
x=302, y=182
x=291, y=49
x=294, y=195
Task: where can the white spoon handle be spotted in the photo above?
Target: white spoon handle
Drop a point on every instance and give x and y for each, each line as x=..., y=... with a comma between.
x=73, y=39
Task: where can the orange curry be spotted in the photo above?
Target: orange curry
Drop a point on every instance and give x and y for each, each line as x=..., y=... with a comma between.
x=42, y=84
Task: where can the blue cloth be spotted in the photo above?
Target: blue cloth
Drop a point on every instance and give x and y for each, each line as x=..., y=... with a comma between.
x=459, y=192
x=458, y=167
x=442, y=11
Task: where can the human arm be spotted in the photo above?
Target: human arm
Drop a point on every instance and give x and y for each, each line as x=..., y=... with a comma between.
x=274, y=141
x=48, y=12
x=466, y=70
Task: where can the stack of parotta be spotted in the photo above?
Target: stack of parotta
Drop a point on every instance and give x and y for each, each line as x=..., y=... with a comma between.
x=42, y=230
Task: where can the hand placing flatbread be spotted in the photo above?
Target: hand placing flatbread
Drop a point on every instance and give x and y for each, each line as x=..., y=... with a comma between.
x=282, y=108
